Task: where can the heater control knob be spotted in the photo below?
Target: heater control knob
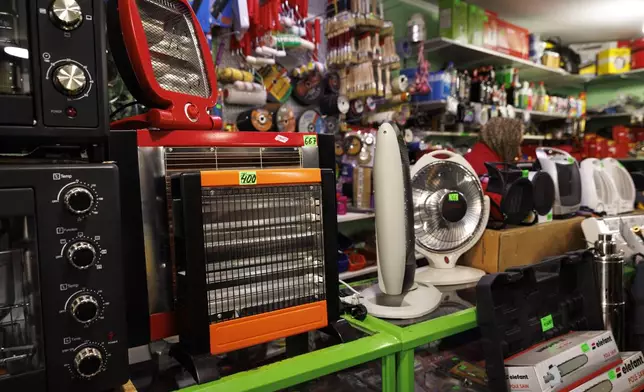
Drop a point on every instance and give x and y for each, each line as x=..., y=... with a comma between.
x=70, y=79
x=81, y=254
x=79, y=200
x=66, y=14
x=84, y=308
x=88, y=362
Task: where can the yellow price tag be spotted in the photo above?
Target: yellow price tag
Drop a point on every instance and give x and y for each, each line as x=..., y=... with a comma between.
x=247, y=178
x=310, y=140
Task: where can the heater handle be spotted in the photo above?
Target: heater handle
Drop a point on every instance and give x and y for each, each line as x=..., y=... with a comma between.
x=544, y=152
x=454, y=157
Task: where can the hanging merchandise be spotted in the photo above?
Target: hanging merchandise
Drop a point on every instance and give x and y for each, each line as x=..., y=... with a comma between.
x=332, y=105
x=623, y=182
x=285, y=119
x=332, y=124
x=395, y=296
x=564, y=170
x=332, y=83
x=308, y=86
x=255, y=120
x=400, y=84
x=311, y=121
x=450, y=213
x=245, y=93
x=353, y=144
x=511, y=193
x=277, y=83
x=599, y=193
x=421, y=82
x=231, y=75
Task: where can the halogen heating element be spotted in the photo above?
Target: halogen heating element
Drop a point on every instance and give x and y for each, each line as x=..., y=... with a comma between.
x=609, y=270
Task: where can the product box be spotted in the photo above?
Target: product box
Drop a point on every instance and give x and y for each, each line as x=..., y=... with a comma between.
x=614, y=61
x=513, y=40
x=637, y=53
x=625, y=377
x=362, y=187
x=498, y=250
x=475, y=21
x=453, y=20
x=561, y=363
x=588, y=51
x=490, y=30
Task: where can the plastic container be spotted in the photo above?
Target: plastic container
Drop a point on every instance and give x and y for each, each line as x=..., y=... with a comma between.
x=453, y=20
x=342, y=201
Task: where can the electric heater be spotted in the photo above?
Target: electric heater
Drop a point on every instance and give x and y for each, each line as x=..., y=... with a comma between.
x=254, y=260
x=165, y=62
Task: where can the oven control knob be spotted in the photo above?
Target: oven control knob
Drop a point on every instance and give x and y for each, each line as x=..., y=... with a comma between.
x=81, y=254
x=84, y=308
x=88, y=362
x=70, y=79
x=79, y=200
x=66, y=14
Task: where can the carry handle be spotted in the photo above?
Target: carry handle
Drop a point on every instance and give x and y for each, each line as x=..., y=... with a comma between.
x=547, y=151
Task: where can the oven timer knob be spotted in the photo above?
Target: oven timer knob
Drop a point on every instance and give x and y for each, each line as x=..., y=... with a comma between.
x=81, y=254
x=70, y=79
x=84, y=308
x=79, y=200
x=66, y=14
x=88, y=362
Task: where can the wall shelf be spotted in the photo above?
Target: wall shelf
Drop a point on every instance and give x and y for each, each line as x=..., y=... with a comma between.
x=355, y=216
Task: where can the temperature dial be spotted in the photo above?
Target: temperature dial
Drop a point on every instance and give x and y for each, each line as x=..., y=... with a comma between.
x=84, y=308
x=66, y=14
x=88, y=362
x=81, y=254
x=70, y=79
x=79, y=200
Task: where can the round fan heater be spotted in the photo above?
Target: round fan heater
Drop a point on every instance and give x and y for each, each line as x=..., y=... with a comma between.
x=450, y=215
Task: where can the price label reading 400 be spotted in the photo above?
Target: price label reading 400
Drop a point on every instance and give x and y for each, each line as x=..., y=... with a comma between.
x=310, y=141
x=248, y=178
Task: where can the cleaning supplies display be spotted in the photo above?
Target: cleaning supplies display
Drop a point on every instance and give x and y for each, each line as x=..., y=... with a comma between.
x=623, y=182
x=450, y=214
x=599, y=193
x=564, y=170
x=395, y=296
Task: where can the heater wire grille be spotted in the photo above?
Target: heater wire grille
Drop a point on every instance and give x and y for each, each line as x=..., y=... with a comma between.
x=186, y=159
x=174, y=48
x=264, y=248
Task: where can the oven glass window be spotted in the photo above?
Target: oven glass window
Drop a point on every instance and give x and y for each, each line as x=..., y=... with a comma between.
x=14, y=48
x=21, y=343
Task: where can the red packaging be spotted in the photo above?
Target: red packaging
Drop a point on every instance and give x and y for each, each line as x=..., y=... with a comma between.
x=601, y=144
x=513, y=40
x=622, y=150
x=490, y=30
x=589, y=145
x=638, y=134
x=611, y=149
x=621, y=134
x=637, y=53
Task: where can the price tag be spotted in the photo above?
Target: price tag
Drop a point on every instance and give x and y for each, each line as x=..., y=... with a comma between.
x=247, y=178
x=585, y=348
x=612, y=375
x=310, y=141
x=453, y=197
x=525, y=173
x=547, y=323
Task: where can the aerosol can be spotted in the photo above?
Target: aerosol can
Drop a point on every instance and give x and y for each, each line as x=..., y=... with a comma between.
x=609, y=272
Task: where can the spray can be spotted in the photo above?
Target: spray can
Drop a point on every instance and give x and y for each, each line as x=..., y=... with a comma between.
x=609, y=272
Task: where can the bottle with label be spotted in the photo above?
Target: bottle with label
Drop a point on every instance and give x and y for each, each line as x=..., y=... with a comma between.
x=513, y=90
x=539, y=97
x=453, y=78
x=475, y=87
x=530, y=101
x=503, y=96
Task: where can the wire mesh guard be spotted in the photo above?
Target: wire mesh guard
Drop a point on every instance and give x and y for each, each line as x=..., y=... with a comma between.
x=186, y=159
x=174, y=49
x=18, y=349
x=264, y=249
x=448, y=206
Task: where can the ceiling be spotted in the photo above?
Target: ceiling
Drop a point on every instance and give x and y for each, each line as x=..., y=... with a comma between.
x=572, y=20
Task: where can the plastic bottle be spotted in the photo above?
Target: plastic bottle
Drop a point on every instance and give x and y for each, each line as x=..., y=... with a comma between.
x=523, y=96
x=513, y=90
x=453, y=78
x=531, y=93
x=539, y=98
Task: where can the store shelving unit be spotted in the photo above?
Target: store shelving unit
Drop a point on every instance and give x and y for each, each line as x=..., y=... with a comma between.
x=355, y=216
x=354, y=274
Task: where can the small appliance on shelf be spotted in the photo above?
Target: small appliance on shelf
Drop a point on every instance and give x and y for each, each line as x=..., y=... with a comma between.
x=599, y=192
x=564, y=170
x=623, y=182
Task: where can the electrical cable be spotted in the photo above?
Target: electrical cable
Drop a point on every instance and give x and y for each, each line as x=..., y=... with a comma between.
x=123, y=107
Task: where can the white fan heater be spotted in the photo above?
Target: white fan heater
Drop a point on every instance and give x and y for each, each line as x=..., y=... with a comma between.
x=450, y=215
x=598, y=191
x=623, y=182
x=395, y=296
x=564, y=170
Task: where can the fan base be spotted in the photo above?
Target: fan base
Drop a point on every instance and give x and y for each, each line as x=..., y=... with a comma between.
x=448, y=276
x=417, y=302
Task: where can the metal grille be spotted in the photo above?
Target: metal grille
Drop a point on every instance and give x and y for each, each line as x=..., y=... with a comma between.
x=223, y=158
x=174, y=49
x=264, y=248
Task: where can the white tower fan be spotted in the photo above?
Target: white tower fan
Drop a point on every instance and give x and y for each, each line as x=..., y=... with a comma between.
x=564, y=170
x=450, y=215
x=395, y=296
x=623, y=182
x=598, y=191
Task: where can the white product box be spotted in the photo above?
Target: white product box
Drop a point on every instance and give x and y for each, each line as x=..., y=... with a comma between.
x=558, y=364
x=627, y=376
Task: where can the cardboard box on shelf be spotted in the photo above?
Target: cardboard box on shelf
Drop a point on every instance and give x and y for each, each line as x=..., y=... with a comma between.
x=513, y=40
x=498, y=250
x=453, y=20
x=475, y=21
x=362, y=187
x=490, y=30
x=624, y=377
x=614, y=61
x=588, y=52
x=561, y=363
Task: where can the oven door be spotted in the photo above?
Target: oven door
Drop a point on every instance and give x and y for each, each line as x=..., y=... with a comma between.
x=22, y=362
x=16, y=99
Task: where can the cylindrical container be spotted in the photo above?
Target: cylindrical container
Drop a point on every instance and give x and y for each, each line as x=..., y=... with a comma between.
x=609, y=270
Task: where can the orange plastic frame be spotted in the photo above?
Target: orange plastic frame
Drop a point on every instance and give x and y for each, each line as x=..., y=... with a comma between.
x=264, y=177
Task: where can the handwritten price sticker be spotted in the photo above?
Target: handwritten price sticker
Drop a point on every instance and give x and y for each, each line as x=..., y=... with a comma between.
x=310, y=141
x=247, y=178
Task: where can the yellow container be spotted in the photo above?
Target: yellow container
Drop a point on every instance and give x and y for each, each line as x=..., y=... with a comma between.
x=614, y=61
x=590, y=69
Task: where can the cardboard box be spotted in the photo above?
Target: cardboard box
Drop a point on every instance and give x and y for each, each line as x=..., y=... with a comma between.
x=362, y=187
x=490, y=30
x=513, y=40
x=453, y=20
x=614, y=61
x=588, y=52
x=498, y=250
x=475, y=21
x=560, y=364
x=622, y=378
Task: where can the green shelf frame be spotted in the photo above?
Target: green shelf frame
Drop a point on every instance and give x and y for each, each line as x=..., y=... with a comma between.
x=303, y=368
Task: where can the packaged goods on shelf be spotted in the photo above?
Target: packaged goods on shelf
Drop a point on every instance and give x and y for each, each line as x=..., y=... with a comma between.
x=453, y=20
x=475, y=23
x=512, y=40
x=490, y=30
x=622, y=378
x=614, y=61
